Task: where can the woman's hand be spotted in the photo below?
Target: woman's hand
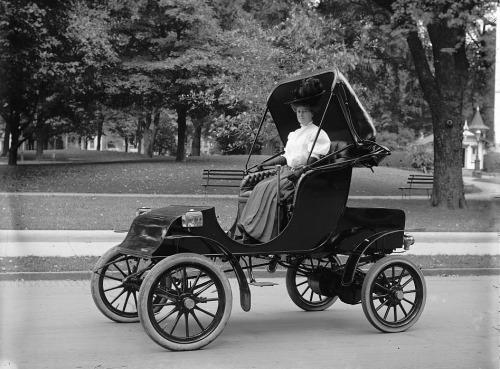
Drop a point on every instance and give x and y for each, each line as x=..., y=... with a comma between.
x=295, y=175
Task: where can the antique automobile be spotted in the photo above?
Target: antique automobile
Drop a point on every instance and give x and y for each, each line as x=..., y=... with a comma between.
x=171, y=271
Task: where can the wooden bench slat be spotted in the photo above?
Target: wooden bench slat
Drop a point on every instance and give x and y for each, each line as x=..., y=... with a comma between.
x=222, y=177
x=421, y=182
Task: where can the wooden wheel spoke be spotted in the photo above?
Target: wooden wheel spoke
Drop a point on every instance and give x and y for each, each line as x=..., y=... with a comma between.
x=381, y=305
x=126, y=301
x=204, y=311
x=401, y=275
x=409, y=302
x=129, y=270
x=206, y=287
x=403, y=309
x=193, y=286
x=163, y=304
x=113, y=288
x=407, y=282
x=119, y=270
x=179, y=315
x=203, y=300
x=186, y=322
x=307, y=289
x=197, y=320
x=168, y=315
x=134, y=294
x=161, y=292
x=377, y=297
x=387, y=312
x=382, y=287
x=117, y=297
x=112, y=278
x=410, y=291
x=301, y=283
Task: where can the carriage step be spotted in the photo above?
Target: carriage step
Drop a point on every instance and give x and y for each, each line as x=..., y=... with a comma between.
x=263, y=284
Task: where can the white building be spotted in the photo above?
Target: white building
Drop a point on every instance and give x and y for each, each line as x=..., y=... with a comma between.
x=474, y=142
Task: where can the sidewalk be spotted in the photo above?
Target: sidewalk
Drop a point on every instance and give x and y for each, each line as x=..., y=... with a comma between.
x=95, y=243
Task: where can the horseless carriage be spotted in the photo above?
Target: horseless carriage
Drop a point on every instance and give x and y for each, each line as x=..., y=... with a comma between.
x=170, y=272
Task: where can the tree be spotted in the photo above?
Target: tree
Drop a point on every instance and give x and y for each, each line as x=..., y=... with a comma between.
x=436, y=33
x=49, y=52
x=173, y=47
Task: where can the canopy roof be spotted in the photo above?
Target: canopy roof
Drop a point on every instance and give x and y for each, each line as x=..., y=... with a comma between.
x=340, y=113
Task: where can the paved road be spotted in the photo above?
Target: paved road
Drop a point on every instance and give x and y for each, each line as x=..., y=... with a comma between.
x=54, y=324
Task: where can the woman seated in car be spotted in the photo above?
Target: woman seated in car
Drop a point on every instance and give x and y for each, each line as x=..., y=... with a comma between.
x=258, y=219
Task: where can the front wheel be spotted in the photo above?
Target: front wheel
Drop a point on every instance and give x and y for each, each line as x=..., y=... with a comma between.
x=115, y=285
x=298, y=283
x=192, y=310
x=393, y=294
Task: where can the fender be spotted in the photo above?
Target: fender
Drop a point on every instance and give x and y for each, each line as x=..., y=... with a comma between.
x=245, y=296
x=359, y=250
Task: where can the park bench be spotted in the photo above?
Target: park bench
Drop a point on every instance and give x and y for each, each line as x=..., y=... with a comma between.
x=222, y=178
x=418, y=182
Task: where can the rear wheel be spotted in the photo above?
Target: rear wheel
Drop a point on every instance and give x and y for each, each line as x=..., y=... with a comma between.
x=192, y=310
x=298, y=283
x=393, y=294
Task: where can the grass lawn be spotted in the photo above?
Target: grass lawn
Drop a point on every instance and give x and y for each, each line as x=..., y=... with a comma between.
x=122, y=173
x=96, y=212
x=112, y=172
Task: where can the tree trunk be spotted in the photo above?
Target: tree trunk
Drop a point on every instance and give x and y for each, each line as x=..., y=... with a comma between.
x=156, y=127
x=40, y=137
x=100, y=125
x=181, y=133
x=147, y=134
x=140, y=126
x=15, y=120
x=444, y=93
x=6, y=141
x=196, y=144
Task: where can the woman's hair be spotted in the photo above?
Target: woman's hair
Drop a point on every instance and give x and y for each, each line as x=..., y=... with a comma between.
x=308, y=94
x=297, y=105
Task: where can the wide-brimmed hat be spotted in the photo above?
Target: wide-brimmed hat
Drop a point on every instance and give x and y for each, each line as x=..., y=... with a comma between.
x=309, y=92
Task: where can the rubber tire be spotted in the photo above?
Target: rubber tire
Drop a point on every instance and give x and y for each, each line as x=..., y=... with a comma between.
x=146, y=316
x=296, y=297
x=96, y=289
x=366, y=294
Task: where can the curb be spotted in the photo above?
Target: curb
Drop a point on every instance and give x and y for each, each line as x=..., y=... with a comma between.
x=47, y=276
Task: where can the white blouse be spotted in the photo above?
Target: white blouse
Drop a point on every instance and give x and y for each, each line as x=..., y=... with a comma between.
x=300, y=142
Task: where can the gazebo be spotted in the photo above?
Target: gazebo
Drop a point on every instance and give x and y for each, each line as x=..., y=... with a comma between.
x=474, y=143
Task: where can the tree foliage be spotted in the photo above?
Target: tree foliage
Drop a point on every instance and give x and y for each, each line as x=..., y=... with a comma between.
x=51, y=55
x=132, y=67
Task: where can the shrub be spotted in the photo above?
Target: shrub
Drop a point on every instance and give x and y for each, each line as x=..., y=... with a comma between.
x=422, y=159
x=394, y=141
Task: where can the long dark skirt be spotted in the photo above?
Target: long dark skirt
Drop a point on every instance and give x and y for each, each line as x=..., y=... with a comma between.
x=259, y=216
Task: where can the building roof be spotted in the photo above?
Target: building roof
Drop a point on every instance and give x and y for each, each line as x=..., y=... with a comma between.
x=477, y=123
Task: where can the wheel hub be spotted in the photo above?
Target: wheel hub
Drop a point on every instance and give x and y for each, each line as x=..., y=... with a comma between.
x=132, y=283
x=396, y=295
x=188, y=303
